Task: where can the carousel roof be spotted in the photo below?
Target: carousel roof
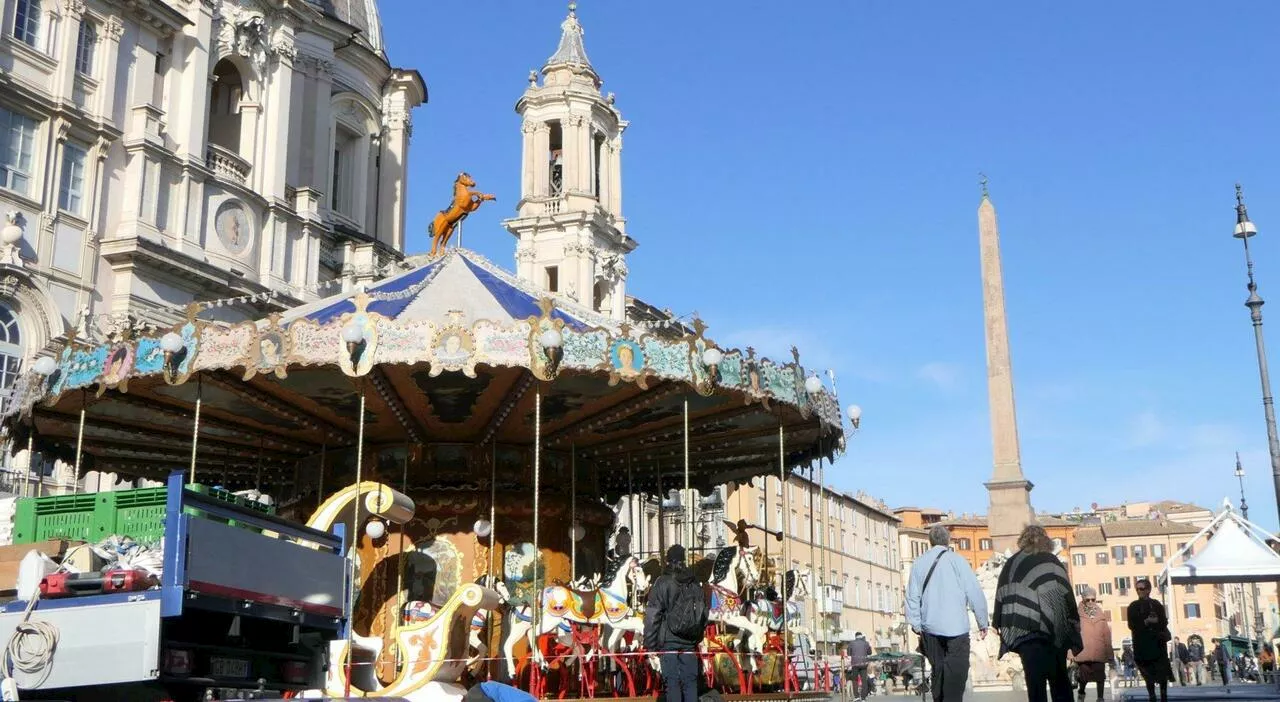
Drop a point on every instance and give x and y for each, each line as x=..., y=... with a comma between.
x=448, y=358
x=460, y=281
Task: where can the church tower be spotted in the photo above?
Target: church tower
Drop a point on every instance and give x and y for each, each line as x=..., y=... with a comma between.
x=571, y=237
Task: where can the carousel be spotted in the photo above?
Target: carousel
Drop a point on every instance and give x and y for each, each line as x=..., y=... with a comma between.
x=474, y=435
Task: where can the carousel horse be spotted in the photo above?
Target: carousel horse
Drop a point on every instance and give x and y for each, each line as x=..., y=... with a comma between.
x=563, y=607
x=434, y=651
x=733, y=573
x=464, y=202
x=769, y=612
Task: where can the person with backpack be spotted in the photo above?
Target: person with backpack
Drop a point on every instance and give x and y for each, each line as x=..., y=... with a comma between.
x=675, y=620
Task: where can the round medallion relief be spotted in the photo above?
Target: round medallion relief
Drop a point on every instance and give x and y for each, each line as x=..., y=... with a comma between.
x=233, y=226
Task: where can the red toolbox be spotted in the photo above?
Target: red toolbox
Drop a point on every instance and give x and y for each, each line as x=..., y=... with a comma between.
x=116, y=580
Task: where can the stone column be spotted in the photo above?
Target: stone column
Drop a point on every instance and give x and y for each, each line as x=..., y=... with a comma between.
x=606, y=170
x=109, y=53
x=582, y=137
x=1009, y=492
x=541, y=162
x=186, y=126
x=68, y=43
x=615, y=176
x=394, y=171
x=526, y=160
x=273, y=159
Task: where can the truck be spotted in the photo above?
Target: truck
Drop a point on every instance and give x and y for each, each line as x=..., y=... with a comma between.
x=245, y=606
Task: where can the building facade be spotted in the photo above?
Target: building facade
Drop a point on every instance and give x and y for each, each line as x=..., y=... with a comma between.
x=155, y=154
x=849, y=544
x=971, y=537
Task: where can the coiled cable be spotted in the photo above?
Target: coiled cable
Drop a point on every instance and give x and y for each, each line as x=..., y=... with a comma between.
x=30, y=649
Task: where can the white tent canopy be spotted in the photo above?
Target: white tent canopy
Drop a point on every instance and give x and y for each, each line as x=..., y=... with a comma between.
x=1236, y=552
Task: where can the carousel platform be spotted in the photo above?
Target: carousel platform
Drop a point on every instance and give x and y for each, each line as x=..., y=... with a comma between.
x=1237, y=693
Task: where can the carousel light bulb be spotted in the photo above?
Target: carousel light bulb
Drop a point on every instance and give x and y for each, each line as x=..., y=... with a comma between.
x=813, y=385
x=855, y=412
x=45, y=365
x=482, y=528
x=171, y=342
x=712, y=357
x=353, y=333
x=551, y=339
x=375, y=529
x=576, y=532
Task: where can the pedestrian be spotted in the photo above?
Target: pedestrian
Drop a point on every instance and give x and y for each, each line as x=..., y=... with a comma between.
x=1150, y=628
x=1095, y=634
x=1222, y=659
x=1130, y=665
x=1267, y=660
x=1037, y=617
x=941, y=590
x=859, y=659
x=1181, y=657
x=1195, y=659
x=674, y=624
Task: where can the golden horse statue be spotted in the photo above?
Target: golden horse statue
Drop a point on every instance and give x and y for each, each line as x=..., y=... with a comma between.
x=434, y=652
x=465, y=201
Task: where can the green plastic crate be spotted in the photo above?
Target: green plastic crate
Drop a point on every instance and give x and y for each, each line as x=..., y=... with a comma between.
x=139, y=514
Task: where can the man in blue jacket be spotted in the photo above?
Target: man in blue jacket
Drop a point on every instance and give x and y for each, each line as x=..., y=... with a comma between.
x=940, y=592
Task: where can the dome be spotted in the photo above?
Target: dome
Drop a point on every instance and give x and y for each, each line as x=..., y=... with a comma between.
x=360, y=14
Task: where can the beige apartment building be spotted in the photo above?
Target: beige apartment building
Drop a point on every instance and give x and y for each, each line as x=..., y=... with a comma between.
x=1112, y=556
x=850, y=544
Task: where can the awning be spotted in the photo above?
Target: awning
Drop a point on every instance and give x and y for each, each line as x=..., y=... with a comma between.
x=1235, y=551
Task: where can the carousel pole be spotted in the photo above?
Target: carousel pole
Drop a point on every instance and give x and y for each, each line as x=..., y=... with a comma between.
x=826, y=542
x=786, y=552
x=573, y=512
x=492, y=565
x=257, y=484
x=79, y=436
x=813, y=558
x=356, y=533
x=688, y=496
x=662, y=527
x=401, y=596
x=537, y=488
x=324, y=448
x=195, y=428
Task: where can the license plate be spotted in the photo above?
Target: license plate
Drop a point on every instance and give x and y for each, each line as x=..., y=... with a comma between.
x=229, y=668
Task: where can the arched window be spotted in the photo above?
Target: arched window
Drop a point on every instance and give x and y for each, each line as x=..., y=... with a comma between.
x=10, y=354
x=224, y=106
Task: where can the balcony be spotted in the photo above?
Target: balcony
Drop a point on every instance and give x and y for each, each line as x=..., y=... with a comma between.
x=831, y=605
x=227, y=164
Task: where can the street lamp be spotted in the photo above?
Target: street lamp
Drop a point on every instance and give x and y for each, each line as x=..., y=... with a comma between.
x=1253, y=588
x=1243, y=231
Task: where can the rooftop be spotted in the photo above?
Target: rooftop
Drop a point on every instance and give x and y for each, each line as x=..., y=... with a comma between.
x=1098, y=535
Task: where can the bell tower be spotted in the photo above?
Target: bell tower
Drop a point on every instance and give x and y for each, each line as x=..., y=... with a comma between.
x=571, y=238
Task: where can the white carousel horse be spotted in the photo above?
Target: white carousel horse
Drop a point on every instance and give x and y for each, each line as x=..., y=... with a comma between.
x=419, y=611
x=562, y=607
x=735, y=572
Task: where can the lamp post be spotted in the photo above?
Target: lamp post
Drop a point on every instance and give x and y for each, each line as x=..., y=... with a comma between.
x=1253, y=588
x=1243, y=231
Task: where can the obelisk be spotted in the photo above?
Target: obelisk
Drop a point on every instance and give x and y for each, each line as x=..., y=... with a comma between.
x=1009, y=491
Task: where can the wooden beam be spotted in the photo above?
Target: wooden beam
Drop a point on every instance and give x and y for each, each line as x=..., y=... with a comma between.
x=271, y=403
x=613, y=413
x=387, y=391
x=705, y=442
x=251, y=432
x=673, y=427
x=175, y=431
x=523, y=381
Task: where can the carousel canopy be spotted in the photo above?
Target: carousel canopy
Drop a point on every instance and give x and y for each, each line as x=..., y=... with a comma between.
x=458, y=282
x=1235, y=551
x=460, y=367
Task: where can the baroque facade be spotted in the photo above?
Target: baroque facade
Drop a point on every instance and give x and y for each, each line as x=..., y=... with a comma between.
x=155, y=154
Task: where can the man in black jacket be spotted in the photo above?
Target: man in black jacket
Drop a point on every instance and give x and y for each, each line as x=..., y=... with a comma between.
x=859, y=661
x=675, y=618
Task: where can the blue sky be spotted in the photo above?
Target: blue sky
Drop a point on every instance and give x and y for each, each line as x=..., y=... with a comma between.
x=807, y=173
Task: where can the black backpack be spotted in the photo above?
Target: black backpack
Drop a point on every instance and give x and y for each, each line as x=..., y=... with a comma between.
x=686, y=615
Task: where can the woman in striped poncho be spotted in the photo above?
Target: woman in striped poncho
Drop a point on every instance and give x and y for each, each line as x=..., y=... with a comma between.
x=1036, y=615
